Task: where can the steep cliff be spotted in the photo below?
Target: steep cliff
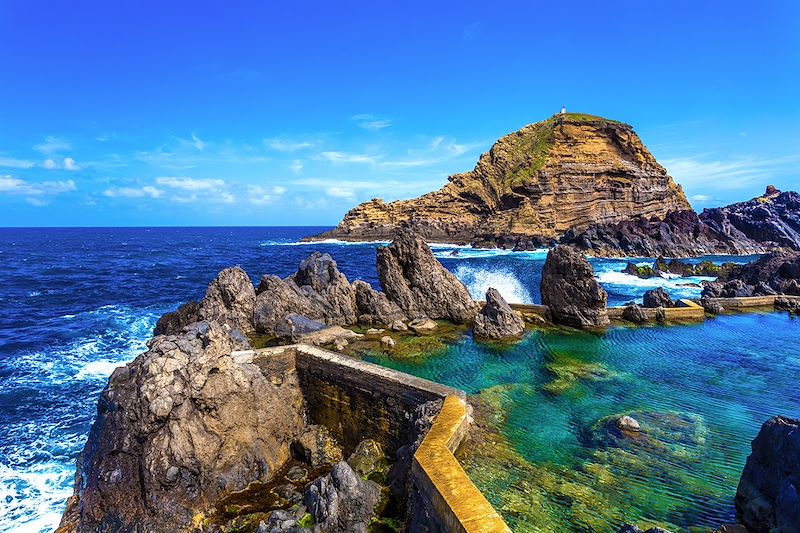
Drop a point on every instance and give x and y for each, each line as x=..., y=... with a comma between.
x=532, y=186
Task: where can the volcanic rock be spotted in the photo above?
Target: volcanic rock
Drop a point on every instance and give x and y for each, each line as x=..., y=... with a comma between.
x=341, y=502
x=657, y=298
x=768, y=496
x=568, y=171
x=572, y=296
x=176, y=430
x=373, y=307
x=415, y=280
x=319, y=278
x=773, y=273
x=230, y=299
x=634, y=313
x=317, y=447
x=786, y=304
x=497, y=320
x=172, y=323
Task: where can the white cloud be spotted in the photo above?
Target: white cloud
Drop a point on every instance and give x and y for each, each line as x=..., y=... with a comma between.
x=702, y=198
x=284, y=145
x=50, y=164
x=259, y=195
x=296, y=166
x=736, y=173
x=197, y=143
x=190, y=184
x=70, y=164
x=10, y=162
x=66, y=164
x=37, y=202
x=370, y=122
x=12, y=185
x=340, y=192
x=52, y=145
x=148, y=191
x=345, y=157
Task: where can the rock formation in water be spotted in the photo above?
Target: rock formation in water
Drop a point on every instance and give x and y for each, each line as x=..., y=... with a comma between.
x=497, y=320
x=173, y=322
x=176, y=429
x=768, y=496
x=773, y=273
x=572, y=296
x=415, y=280
x=657, y=298
x=532, y=186
x=769, y=222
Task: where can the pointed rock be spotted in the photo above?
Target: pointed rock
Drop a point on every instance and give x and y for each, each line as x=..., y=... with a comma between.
x=497, y=320
x=572, y=296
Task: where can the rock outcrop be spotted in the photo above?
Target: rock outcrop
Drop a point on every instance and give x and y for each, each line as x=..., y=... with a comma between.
x=415, y=280
x=768, y=496
x=176, y=430
x=572, y=296
x=773, y=273
x=497, y=320
x=172, y=323
x=230, y=300
x=374, y=308
x=532, y=186
x=341, y=502
x=657, y=298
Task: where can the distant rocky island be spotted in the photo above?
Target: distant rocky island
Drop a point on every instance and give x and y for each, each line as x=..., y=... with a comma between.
x=582, y=180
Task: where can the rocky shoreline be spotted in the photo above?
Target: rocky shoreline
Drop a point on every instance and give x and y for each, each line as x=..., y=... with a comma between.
x=195, y=423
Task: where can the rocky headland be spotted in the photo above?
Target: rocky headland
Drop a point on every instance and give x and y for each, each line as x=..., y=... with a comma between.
x=580, y=180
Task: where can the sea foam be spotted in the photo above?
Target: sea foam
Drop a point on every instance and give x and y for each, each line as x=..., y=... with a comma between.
x=479, y=280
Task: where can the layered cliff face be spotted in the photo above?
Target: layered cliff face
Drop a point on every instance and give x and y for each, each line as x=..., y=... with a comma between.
x=564, y=173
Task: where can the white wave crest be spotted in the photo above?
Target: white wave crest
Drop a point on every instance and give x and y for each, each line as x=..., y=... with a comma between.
x=479, y=280
x=98, y=369
x=677, y=287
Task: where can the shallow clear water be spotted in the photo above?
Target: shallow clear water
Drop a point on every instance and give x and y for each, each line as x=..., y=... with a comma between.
x=75, y=303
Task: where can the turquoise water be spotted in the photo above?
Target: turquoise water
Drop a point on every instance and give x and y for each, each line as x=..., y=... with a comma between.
x=700, y=392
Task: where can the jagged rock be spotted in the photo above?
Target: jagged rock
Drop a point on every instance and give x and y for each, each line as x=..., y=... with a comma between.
x=628, y=423
x=387, y=342
x=787, y=304
x=172, y=323
x=773, y=273
x=422, y=326
x=768, y=496
x=230, y=299
x=276, y=299
x=341, y=502
x=176, y=429
x=319, y=278
x=340, y=344
x=415, y=280
x=634, y=313
x=572, y=296
x=281, y=521
x=373, y=307
x=657, y=298
x=367, y=458
x=497, y=320
x=317, y=447
x=569, y=170
x=712, y=307
x=329, y=335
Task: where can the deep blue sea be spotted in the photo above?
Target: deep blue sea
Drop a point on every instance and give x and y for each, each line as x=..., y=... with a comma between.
x=76, y=303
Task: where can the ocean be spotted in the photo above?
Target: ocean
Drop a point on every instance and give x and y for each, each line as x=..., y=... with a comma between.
x=76, y=303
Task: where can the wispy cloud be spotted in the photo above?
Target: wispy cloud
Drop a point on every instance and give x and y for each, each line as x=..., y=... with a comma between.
x=66, y=164
x=286, y=145
x=11, y=185
x=340, y=192
x=260, y=195
x=296, y=166
x=347, y=157
x=736, y=173
x=10, y=162
x=52, y=145
x=370, y=122
x=134, y=192
x=190, y=184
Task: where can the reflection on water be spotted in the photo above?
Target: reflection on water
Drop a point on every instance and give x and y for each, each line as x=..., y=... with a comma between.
x=549, y=455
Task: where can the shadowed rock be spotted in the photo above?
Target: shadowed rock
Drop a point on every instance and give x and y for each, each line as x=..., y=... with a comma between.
x=657, y=298
x=773, y=273
x=415, y=280
x=768, y=496
x=374, y=308
x=572, y=296
x=497, y=320
x=341, y=502
x=319, y=278
x=172, y=323
x=634, y=313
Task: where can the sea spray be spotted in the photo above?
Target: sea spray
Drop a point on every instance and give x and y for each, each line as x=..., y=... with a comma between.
x=479, y=280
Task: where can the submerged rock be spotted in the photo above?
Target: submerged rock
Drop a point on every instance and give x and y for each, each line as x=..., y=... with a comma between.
x=628, y=423
x=571, y=293
x=658, y=298
x=768, y=496
x=497, y=320
x=341, y=502
x=415, y=280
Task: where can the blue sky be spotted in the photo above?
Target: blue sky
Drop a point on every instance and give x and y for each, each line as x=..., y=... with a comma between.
x=266, y=113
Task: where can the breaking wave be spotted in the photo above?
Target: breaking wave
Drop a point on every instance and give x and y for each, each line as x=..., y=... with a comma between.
x=479, y=280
